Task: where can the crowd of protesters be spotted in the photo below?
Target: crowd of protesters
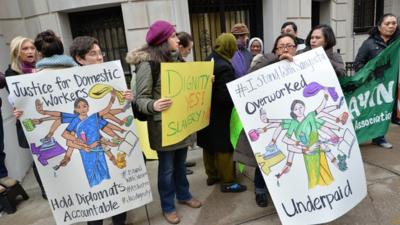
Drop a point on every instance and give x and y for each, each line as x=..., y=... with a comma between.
x=234, y=56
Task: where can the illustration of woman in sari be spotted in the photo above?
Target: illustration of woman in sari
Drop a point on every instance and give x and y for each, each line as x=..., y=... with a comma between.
x=305, y=135
x=85, y=129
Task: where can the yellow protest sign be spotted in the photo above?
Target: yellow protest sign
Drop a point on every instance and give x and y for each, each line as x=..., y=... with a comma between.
x=189, y=86
x=141, y=129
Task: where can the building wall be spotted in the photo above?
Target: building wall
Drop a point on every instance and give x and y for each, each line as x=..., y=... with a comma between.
x=28, y=18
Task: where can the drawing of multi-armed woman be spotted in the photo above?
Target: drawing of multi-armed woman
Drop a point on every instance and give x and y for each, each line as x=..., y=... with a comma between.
x=303, y=137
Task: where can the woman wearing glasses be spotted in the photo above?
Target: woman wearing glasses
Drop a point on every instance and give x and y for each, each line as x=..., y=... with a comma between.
x=323, y=36
x=284, y=49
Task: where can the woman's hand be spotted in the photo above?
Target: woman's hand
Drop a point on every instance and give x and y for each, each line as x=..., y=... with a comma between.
x=17, y=113
x=286, y=56
x=162, y=104
x=128, y=95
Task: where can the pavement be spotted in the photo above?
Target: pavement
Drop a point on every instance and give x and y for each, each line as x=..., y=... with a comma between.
x=380, y=207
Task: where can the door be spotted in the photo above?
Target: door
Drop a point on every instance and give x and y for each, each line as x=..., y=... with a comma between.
x=210, y=18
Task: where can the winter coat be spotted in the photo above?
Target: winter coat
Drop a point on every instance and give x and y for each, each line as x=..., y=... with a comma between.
x=241, y=61
x=243, y=152
x=371, y=48
x=22, y=142
x=146, y=95
x=335, y=59
x=216, y=136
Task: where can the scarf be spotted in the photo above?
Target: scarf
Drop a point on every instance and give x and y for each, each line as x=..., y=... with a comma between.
x=27, y=67
x=56, y=61
x=225, y=46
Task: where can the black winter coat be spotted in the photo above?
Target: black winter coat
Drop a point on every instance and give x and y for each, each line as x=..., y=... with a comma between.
x=23, y=143
x=371, y=48
x=216, y=136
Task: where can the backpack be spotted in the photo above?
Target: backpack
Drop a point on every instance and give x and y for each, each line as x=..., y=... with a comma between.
x=155, y=73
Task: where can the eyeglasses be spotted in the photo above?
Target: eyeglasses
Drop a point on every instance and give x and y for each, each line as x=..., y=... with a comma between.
x=95, y=53
x=288, y=47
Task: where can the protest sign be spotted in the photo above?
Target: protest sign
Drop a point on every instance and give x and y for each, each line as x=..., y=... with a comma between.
x=297, y=122
x=372, y=92
x=83, y=141
x=189, y=86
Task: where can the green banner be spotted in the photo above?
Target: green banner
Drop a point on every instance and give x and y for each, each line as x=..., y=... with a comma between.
x=371, y=93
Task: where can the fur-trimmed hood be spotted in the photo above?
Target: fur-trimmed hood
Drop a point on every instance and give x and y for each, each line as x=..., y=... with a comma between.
x=136, y=56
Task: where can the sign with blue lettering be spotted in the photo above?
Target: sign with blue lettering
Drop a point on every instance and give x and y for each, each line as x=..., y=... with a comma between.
x=297, y=122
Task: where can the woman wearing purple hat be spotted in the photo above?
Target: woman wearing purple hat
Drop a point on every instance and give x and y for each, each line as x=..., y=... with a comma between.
x=162, y=46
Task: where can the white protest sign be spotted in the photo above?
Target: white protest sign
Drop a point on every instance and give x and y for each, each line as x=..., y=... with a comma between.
x=297, y=122
x=83, y=141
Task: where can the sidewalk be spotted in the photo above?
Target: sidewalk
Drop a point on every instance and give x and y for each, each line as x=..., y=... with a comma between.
x=380, y=207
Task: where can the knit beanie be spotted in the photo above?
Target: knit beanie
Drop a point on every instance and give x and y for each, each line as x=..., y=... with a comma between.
x=159, y=32
x=225, y=45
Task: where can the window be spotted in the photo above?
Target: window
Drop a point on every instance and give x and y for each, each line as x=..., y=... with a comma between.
x=366, y=14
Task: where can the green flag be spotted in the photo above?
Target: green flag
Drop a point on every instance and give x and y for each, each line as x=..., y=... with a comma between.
x=372, y=92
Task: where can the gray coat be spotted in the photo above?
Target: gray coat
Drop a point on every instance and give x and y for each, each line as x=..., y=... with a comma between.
x=146, y=95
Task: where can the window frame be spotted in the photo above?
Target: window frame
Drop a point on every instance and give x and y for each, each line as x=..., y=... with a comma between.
x=364, y=26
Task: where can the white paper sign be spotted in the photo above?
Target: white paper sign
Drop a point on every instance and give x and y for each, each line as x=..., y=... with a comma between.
x=83, y=141
x=297, y=122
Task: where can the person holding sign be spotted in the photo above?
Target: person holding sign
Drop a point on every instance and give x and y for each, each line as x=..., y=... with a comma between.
x=323, y=36
x=162, y=46
x=284, y=48
x=185, y=47
x=215, y=138
x=85, y=50
x=23, y=58
x=381, y=36
x=51, y=49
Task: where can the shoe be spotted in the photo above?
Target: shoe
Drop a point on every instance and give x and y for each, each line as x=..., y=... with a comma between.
x=233, y=188
x=262, y=199
x=189, y=172
x=190, y=164
x=396, y=121
x=386, y=145
x=192, y=203
x=383, y=143
x=7, y=181
x=172, y=217
x=212, y=181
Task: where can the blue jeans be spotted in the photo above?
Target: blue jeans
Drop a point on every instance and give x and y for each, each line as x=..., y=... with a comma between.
x=259, y=183
x=3, y=169
x=379, y=140
x=172, y=179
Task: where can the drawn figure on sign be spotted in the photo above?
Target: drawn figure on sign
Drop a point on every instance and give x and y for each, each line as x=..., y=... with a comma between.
x=85, y=129
x=309, y=134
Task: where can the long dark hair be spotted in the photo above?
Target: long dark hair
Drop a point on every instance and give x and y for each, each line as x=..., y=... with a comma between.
x=159, y=53
x=375, y=29
x=329, y=36
x=292, y=107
